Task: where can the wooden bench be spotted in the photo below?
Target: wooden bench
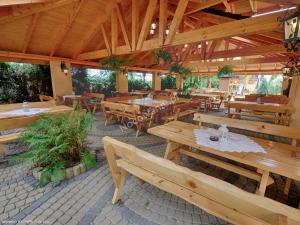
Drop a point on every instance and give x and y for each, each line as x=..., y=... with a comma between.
x=123, y=111
x=258, y=127
x=208, y=193
x=181, y=110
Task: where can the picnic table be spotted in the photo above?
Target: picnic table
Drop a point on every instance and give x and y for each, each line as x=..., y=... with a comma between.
x=278, y=158
x=279, y=113
x=152, y=102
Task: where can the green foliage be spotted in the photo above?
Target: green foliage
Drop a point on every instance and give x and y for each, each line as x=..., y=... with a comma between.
x=80, y=80
x=168, y=82
x=88, y=160
x=262, y=86
x=162, y=54
x=225, y=71
x=114, y=63
x=56, y=142
x=137, y=83
x=103, y=83
x=200, y=82
x=179, y=69
x=20, y=81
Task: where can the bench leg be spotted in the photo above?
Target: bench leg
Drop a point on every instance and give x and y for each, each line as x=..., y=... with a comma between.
x=171, y=147
x=2, y=150
x=263, y=183
x=118, y=186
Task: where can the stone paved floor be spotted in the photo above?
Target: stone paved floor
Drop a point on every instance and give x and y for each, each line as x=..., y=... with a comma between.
x=86, y=199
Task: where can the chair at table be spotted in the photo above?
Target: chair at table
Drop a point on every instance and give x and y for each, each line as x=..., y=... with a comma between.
x=91, y=101
x=216, y=104
x=204, y=102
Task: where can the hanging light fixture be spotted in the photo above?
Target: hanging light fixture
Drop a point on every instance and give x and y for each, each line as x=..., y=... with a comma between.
x=291, y=31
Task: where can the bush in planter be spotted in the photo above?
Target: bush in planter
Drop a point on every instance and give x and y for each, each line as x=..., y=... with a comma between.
x=57, y=142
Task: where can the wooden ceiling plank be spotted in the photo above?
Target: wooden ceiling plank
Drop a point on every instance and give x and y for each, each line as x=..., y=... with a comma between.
x=203, y=5
x=134, y=23
x=114, y=32
x=28, y=11
x=181, y=7
x=29, y=32
x=105, y=39
x=122, y=24
x=67, y=26
x=21, y=2
x=163, y=9
x=146, y=25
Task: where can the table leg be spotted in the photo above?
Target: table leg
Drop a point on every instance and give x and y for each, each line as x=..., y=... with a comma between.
x=287, y=186
x=263, y=183
x=172, y=148
x=2, y=150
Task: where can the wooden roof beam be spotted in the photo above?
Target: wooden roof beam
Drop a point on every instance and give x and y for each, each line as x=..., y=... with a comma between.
x=67, y=26
x=105, y=39
x=29, y=32
x=114, y=32
x=146, y=25
x=182, y=4
x=21, y=2
x=163, y=10
x=134, y=24
x=203, y=5
x=22, y=12
x=122, y=24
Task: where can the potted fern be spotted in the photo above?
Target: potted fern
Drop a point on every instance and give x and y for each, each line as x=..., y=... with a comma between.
x=162, y=57
x=225, y=72
x=114, y=63
x=57, y=146
x=184, y=72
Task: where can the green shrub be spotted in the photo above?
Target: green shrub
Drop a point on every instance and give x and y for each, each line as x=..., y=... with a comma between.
x=57, y=142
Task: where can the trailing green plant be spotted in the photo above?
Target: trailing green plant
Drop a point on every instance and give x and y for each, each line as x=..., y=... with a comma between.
x=114, y=63
x=164, y=55
x=56, y=142
x=225, y=71
x=184, y=72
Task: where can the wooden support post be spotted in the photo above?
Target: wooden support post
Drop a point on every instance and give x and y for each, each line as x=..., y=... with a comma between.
x=156, y=82
x=263, y=183
x=121, y=82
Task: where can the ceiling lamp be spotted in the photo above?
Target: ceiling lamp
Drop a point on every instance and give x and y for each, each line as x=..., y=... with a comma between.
x=186, y=45
x=152, y=32
x=167, y=31
x=199, y=46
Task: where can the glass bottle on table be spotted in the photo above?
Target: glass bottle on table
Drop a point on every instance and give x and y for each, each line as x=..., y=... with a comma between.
x=223, y=132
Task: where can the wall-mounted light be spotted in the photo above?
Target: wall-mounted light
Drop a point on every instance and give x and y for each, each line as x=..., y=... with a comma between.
x=125, y=72
x=64, y=68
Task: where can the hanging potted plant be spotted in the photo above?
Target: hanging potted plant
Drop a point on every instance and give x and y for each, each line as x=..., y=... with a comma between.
x=225, y=72
x=184, y=72
x=162, y=57
x=114, y=63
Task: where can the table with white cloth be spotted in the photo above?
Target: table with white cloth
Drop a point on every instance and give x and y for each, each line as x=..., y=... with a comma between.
x=250, y=157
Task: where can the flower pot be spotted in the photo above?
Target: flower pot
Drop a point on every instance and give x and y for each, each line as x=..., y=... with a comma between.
x=162, y=62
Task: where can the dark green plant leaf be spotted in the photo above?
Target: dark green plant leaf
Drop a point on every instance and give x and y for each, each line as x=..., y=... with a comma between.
x=88, y=160
x=45, y=177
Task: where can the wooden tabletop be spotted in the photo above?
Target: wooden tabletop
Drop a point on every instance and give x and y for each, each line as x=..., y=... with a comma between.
x=149, y=102
x=266, y=107
x=206, y=95
x=278, y=158
x=52, y=109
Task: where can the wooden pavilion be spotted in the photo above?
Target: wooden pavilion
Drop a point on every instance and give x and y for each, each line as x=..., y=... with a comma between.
x=201, y=34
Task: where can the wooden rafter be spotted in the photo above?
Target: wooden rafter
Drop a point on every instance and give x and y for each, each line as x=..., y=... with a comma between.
x=213, y=47
x=203, y=5
x=253, y=5
x=203, y=49
x=105, y=39
x=163, y=9
x=67, y=26
x=29, y=32
x=19, y=13
x=20, y=2
x=122, y=24
x=114, y=32
x=182, y=4
x=146, y=25
x=134, y=23
x=227, y=6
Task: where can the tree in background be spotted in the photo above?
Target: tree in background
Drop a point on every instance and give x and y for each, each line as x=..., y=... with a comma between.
x=201, y=82
x=23, y=82
x=104, y=82
x=138, y=82
x=168, y=82
x=262, y=86
x=275, y=85
x=80, y=80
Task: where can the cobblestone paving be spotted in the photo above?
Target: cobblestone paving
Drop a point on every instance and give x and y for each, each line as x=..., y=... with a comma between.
x=86, y=199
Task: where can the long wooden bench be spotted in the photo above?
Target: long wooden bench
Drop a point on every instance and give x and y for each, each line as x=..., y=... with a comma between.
x=210, y=194
x=258, y=127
